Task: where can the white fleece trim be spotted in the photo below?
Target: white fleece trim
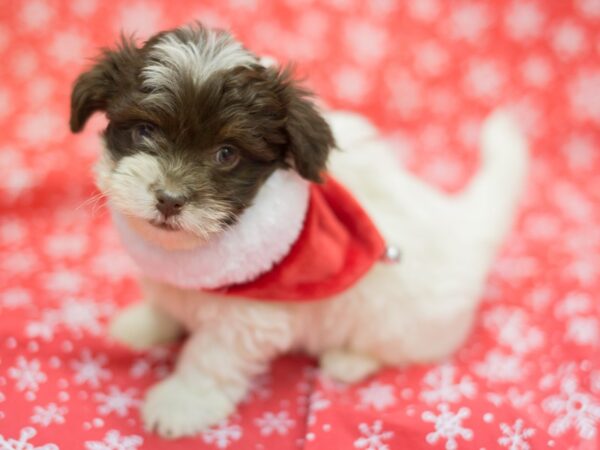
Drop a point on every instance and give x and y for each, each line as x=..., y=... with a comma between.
x=261, y=238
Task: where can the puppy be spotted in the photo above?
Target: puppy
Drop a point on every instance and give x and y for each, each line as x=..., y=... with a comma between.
x=212, y=164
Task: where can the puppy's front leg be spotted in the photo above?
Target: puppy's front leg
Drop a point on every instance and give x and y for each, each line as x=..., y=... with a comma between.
x=213, y=374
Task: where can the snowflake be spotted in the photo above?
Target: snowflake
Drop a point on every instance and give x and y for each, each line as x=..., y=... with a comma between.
x=116, y=401
x=317, y=403
x=583, y=330
x=271, y=422
x=114, y=441
x=222, y=434
x=66, y=244
x=580, y=151
x=515, y=437
x=500, y=367
x=513, y=329
x=36, y=14
x=442, y=388
x=27, y=374
x=537, y=71
x=425, y=10
x=584, y=95
x=377, y=396
x=17, y=181
x=49, y=415
x=366, y=41
x=431, y=58
x=573, y=409
x=484, y=79
x=67, y=46
x=351, y=84
x=590, y=8
x=141, y=18
x=468, y=21
x=448, y=426
x=14, y=298
x=22, y=443
x=63, y=281
x=568, y=39
x=40, y=127
x=523, y=20
x=12, y=231
x=76, y=314
x=373, y=437
x=89, y=369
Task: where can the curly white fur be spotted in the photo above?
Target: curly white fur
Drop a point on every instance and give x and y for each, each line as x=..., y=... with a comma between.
x=416, y=311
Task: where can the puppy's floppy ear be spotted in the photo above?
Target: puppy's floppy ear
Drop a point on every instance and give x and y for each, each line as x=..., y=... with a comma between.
x=310, y=138
x=113, y=71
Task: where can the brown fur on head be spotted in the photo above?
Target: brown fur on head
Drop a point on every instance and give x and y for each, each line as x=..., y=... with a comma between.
x=195, y=117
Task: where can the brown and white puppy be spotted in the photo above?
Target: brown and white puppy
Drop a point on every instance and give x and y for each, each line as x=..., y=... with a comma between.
x=207, y=163
x=202, y=122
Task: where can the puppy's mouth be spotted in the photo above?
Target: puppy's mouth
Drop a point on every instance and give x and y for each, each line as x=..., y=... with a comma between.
x=164, y=225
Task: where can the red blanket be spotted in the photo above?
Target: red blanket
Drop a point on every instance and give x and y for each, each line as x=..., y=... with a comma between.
x=426, y=71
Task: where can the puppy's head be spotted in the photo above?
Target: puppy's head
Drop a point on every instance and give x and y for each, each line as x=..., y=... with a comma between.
x=196, y=125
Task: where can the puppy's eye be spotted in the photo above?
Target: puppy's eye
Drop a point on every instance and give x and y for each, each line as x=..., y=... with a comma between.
x=227, y=156
x=143, y=130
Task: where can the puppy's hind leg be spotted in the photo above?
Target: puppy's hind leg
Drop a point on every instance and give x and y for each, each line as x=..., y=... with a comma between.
x=143, y=325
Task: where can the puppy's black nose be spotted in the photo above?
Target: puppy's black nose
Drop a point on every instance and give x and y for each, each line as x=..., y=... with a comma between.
x=169, y=205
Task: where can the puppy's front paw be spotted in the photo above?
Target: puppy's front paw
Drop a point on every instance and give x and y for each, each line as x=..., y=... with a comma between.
x=173, y=409
x=347, y=366
x=141, y=326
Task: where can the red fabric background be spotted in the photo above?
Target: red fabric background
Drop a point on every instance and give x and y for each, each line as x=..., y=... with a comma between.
x=426, y=71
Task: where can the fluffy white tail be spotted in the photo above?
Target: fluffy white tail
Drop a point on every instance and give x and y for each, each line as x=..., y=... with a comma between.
x=492, y=195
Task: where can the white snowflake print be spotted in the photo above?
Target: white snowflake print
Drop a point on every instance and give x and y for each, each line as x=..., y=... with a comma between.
x=513, y=329
x=573, y=409
x=63, y=281
x=78, y=315
x=515, y=437
x=523, y=20
x=22, y=442
x=425, y=10
x=448, y=426
x=68, y=46
x=441, y=387
x=222, y=434
x=117, y=401
x=28, y=375
x=430, y=58
x=66, y=244
x=484, y=79
x=36, y=14
x=373, y=437
x=15, y=298
x=469, y=21
x=580, y=151
x=51, y=414
x=141, y=18
x=584, y=95
x=590, y=8
x=377, y=395
x=317, y=402
x=114, y=441
x=500, y=367
x=537, y=71
x=568, y=39
x=89, y=370
x=583, y=330
x=270, y=423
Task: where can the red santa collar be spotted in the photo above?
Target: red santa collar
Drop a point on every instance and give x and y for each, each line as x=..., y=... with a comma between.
x=298, y=242
x=338, y=244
